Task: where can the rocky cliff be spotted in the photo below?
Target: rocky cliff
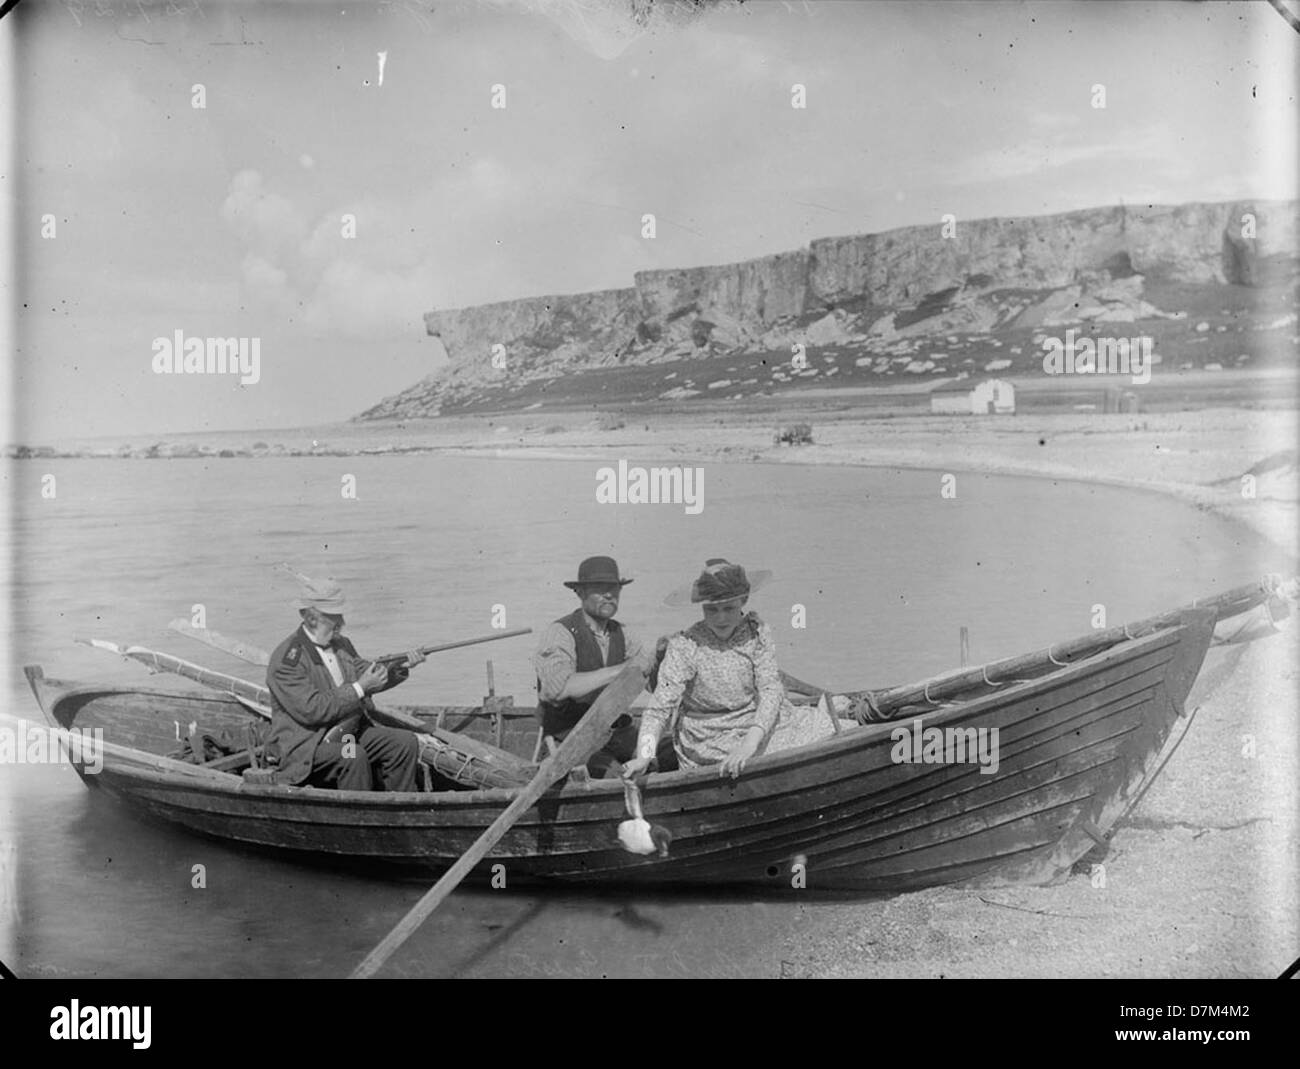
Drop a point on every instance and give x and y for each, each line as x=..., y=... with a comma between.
x=990, y=275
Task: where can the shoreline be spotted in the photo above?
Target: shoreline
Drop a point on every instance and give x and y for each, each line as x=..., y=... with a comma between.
x=1198, y=457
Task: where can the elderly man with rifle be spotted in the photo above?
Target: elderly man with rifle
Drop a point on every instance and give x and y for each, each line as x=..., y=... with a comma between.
x=321, y=733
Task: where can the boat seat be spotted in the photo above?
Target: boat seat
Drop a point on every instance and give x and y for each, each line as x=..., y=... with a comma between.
x=235, y=762
x=249, y=759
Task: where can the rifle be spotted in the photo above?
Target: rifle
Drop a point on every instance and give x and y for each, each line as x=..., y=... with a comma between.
x=399, y=660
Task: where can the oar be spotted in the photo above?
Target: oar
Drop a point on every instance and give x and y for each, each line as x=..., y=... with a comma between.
x=958, y=683
x=250, y=695
x=243, y=650
x=585, y=739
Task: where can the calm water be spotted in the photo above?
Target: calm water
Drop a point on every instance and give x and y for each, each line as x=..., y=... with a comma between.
x=886, y=569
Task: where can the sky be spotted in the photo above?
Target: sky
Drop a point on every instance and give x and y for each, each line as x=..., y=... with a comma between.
x=228, y=220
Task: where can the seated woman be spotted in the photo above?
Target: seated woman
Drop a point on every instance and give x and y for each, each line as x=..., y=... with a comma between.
x=720, y=688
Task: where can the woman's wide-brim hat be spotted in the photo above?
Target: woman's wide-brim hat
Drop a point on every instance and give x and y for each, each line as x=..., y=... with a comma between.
x=597, y=570
x=720, y=581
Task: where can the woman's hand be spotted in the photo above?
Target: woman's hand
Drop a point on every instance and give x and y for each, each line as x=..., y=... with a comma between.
x=734, y=763
x=634, y=768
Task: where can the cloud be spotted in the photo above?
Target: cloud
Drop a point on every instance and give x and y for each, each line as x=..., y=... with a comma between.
x=263, y=280
x=359, y=301
x=375, y=285
x=1153, y=146
x=1022, y=160
x=266, y=222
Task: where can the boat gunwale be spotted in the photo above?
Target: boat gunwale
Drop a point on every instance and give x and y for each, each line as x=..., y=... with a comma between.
x=848, y=739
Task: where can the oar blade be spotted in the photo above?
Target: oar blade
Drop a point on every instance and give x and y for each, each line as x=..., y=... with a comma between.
x=587, y=736
x=101, y=644
x=245, y=651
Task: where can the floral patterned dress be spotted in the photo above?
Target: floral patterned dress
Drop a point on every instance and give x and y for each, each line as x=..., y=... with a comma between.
x=711, y=691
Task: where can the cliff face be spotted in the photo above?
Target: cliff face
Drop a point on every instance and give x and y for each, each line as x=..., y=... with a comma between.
x=753, y=292
x=534, y=327
x=846, y=288
x=1187, y=243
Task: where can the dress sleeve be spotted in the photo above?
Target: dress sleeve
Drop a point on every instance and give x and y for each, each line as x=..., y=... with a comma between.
x=555, y=661
x=767, y=679
x=677, y=669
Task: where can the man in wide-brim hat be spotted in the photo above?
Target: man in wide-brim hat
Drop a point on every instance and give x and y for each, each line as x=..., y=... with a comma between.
x=582, y=653
x=321, y=733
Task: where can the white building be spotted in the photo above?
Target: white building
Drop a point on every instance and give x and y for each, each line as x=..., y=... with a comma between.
x=974, y=397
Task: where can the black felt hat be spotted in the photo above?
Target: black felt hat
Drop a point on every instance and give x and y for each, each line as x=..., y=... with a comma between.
x=597, y=570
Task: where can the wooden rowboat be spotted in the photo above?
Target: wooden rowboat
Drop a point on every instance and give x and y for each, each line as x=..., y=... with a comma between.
x=1079, y=730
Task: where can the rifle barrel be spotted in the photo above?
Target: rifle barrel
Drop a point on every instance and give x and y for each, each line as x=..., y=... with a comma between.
x=397, y=658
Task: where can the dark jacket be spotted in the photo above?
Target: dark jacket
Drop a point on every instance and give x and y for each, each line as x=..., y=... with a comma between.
x=560, y=717
x=306, y=705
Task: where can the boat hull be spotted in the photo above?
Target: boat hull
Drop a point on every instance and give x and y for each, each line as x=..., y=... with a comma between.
x=1073, y=748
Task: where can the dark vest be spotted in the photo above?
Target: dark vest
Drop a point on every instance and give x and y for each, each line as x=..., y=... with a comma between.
x=560, y=717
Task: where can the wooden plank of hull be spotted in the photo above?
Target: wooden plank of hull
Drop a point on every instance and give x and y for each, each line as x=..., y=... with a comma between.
x=146, y=720
x=1073, y=746
x=1099, y=764
x=924, y=809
